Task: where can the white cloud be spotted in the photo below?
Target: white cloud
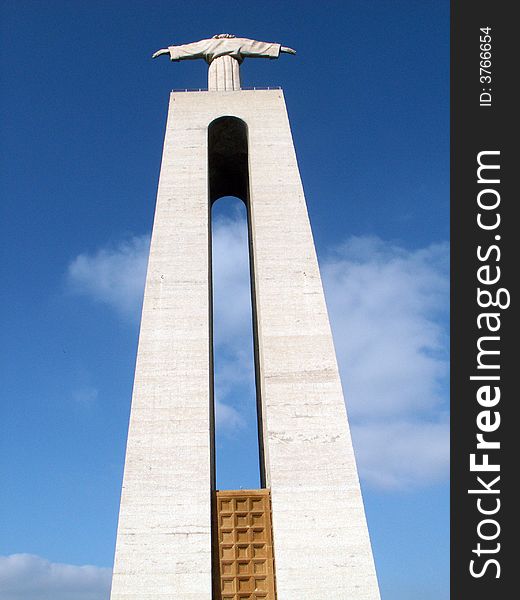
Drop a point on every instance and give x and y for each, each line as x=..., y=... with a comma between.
x=29, y=577
x=234, y=368
x=404, y=454
x=113, y=276
x=388, y=307
x=228, y=417
x=231, y=291
x=388, y=312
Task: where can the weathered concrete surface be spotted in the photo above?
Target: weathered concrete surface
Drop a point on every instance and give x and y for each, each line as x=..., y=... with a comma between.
x=163, y=546
x=321, y=543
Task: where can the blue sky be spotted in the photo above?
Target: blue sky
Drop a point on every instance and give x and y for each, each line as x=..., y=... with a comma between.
x=83, y=111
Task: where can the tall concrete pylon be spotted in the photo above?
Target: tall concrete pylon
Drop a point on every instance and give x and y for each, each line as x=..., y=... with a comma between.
x=177, y=538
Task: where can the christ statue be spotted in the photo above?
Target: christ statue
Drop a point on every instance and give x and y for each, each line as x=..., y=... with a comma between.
x=224, y=53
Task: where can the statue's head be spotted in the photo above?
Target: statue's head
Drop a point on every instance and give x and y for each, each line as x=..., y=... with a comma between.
x=220, y=36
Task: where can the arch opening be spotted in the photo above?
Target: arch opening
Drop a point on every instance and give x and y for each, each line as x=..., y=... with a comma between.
x=238, y=460
x=228, y=159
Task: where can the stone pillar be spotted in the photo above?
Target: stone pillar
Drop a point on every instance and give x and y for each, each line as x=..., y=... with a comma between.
x=224, y=74
x=163, y=549
x=321, y=544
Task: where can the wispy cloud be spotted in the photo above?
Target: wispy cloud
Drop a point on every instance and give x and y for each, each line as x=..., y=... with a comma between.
x=385, y=303
x=114, y=276
x=230, y=276
x=234, y=367
x=397, y=454
x=388, y=310
x=30, y=577
x=228, y=417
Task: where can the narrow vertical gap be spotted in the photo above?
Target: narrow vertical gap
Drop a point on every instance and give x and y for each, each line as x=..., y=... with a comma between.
x=256, y=351
x=212, y=461
x=235, y=355
x=237, y=453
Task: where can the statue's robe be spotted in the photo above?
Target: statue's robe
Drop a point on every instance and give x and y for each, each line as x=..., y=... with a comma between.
x=224, y=56
x=237, y=48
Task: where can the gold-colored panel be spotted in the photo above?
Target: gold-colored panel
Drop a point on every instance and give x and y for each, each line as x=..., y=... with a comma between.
x=244, y=562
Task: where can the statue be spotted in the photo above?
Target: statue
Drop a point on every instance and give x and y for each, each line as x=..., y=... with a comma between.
x=224, y=53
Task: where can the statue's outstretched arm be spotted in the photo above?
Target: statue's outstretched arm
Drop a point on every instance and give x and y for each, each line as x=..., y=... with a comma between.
x=159, y=52
x=287, y=50
x=187, y=51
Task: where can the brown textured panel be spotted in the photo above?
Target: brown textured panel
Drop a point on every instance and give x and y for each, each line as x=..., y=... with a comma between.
x=244, y=563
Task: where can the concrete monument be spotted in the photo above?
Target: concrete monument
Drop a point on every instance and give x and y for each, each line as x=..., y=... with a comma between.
x=303, y=535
